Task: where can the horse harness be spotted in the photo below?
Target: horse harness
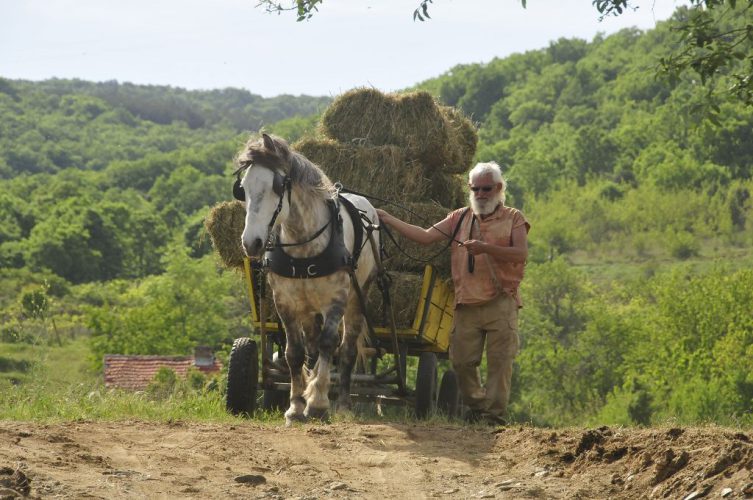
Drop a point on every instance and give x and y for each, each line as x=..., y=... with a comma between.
x=333, y=258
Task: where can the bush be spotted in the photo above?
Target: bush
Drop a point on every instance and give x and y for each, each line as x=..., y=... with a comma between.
x=682, y=245
x=163, y=384
x=697, y=400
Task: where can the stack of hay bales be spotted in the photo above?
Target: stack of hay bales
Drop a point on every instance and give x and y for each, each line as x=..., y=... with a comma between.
x=405, y=148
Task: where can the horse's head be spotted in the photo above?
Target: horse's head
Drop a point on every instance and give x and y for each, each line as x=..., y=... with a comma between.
x=265, y=164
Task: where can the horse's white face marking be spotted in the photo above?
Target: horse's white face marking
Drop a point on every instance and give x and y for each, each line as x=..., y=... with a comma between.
x=261, y=202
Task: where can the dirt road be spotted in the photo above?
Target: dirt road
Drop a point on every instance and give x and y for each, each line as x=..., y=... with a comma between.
x=357, y=460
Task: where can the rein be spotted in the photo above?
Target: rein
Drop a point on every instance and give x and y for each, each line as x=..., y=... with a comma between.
x=451, y=238
x=403, y=207
x=270, y=246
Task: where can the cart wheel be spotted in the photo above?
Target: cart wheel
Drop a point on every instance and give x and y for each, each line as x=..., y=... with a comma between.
x=274, y=400
x=449, y=401
x=426, y=385
x=242, y=377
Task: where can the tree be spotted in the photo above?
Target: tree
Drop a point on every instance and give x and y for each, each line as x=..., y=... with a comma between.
x=166, y=314
x=77, y=243
x=715, y=39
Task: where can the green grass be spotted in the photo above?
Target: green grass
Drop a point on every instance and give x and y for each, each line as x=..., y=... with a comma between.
x=59, y=386
x=37, y=402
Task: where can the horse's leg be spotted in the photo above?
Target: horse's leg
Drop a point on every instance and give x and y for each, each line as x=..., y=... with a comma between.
x=353, y=327
x=312, y=330
x=295, y=356
x=317, y=391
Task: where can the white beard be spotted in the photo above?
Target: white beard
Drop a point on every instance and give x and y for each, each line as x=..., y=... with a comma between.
x=485, y=207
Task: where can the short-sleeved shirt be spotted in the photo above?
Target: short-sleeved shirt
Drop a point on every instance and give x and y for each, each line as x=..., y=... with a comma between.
x=479, y=287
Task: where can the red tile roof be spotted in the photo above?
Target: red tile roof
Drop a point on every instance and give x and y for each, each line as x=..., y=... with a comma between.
x=136, y=372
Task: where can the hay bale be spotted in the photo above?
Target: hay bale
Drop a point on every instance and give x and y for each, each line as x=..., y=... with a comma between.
x=225, y=224
x=405, y=293
x=435, y=135
x=381, y=171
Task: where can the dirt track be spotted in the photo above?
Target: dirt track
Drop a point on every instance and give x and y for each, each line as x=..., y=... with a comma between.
x=355, y=460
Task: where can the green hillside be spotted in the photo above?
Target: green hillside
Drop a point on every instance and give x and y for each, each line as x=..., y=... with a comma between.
x=638, y=292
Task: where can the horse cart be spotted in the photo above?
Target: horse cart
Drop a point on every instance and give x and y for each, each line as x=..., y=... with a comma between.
x=258, y=363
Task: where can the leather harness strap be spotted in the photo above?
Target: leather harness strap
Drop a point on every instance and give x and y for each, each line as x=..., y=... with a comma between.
x=333, y=258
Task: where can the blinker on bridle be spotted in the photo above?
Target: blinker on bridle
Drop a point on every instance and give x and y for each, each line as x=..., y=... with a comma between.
x=280, y=184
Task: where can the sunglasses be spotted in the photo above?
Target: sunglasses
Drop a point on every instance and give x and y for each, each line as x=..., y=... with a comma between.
x=485, y=189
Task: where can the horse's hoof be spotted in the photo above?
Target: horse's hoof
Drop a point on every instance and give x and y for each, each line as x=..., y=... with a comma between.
x=321, y=414
x=295, y=417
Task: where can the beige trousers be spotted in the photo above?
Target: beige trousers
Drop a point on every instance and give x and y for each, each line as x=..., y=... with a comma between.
x=496, y=324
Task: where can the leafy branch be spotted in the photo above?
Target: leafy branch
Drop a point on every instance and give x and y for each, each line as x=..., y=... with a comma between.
x=710, y=52
x=304, y=9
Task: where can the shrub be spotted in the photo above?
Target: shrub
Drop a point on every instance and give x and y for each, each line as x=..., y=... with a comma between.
x=682, y=245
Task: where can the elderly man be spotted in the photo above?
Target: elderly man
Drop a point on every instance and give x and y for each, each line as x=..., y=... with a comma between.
x=487, y=269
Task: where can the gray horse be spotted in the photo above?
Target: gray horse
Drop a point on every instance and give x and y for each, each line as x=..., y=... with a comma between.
x=294, y=214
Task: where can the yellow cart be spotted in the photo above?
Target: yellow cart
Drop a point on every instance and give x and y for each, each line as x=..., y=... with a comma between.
x=428, y=338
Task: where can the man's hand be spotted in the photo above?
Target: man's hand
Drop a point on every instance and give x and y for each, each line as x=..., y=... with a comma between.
x=475, y=247
x=383, y=216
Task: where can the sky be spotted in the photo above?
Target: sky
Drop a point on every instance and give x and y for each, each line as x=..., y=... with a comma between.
x=211, y=44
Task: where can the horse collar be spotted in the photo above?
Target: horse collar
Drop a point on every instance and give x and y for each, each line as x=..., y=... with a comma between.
x=332, y=259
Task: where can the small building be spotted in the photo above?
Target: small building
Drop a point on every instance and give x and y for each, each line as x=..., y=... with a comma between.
x=135, y=372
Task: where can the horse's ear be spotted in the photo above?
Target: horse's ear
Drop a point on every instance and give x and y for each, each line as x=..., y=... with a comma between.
x=269, y=143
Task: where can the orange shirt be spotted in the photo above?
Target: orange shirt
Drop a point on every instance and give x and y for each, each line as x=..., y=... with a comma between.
x=479, y=287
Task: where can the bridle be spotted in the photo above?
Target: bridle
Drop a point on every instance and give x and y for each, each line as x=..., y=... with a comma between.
x=280, y=185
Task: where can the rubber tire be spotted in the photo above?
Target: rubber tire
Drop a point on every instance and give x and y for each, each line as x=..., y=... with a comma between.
x=426, y=385
x=449, y=400
x=274, y=400
x=242, y=377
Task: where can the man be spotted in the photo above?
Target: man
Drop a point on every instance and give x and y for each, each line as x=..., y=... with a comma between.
x=487, y=268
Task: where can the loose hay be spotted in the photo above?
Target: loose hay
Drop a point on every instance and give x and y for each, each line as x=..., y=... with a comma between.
x=225, y=226
x=438, y=136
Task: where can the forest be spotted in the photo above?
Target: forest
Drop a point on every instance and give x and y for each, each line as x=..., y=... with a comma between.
x=639, y=281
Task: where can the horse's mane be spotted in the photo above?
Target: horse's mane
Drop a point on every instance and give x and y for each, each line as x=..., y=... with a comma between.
x=302, y=171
